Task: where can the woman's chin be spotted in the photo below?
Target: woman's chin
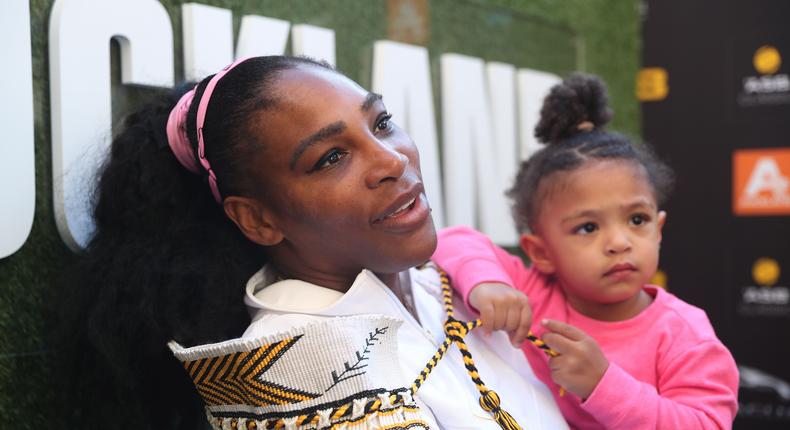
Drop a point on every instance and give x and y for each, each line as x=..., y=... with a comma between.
x=411, y=252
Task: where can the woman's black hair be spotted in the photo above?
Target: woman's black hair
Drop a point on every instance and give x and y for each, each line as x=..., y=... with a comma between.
x=165, y=262
x=571, y=122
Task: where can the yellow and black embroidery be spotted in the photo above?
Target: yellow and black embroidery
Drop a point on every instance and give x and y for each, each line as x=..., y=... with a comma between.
x=238, y=378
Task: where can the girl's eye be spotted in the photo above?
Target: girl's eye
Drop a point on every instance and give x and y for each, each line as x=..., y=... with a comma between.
x=330, y=158
x=383, y=123
x=586, y=228
x=639, y=219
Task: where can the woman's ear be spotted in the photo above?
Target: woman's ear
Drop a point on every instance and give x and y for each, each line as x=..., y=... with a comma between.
x=253, y=220
x=535, y=248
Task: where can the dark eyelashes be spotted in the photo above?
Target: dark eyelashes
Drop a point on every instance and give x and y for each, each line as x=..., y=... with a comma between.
x=334, y=155
x=385, y=117
x=334, y=152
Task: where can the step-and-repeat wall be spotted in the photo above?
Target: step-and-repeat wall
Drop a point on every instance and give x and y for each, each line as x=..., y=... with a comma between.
x=465, y=78
x=716, y=102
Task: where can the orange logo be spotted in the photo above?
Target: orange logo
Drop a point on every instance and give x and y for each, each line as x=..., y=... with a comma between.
x=761, y=182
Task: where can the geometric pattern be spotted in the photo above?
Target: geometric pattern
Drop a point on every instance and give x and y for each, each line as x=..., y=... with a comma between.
x=236, y=378
x=382, y=410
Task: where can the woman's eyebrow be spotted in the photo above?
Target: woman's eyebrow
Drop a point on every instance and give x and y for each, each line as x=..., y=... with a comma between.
x=369, y=100
x=326, y=132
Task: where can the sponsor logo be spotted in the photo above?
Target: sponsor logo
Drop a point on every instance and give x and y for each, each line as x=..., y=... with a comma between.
x=767, y=60
x=768, y=87
x=660, y=279
x=765, y=298
x=761, y=182
x=652, y=84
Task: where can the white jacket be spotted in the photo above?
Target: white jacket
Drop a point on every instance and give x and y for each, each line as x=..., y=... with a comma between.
x=448, y=398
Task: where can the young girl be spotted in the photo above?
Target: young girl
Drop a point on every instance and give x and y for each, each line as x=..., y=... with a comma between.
x=631, y=355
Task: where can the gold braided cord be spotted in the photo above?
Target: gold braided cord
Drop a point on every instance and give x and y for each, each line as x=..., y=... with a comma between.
x=455, y=332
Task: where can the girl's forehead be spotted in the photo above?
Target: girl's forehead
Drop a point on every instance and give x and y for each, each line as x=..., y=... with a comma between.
x=607, y=167
x=598, y=181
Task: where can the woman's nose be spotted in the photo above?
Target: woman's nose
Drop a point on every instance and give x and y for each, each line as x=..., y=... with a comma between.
x=386, y=164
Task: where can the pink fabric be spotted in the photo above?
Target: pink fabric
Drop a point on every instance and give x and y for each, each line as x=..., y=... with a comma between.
x=667, y=369
x=201, y=117
x=177, y=134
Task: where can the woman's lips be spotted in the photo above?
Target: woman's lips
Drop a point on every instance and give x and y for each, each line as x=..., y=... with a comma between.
x=407, y=217
x=401, y=209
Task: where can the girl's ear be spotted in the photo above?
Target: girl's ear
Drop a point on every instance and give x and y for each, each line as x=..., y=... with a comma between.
x=253, y=220
x=535, y=248
x=662, y=218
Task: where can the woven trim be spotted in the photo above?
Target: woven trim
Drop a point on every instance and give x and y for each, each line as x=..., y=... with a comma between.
x=335, y=371
x=393, y=410
x=248, y=344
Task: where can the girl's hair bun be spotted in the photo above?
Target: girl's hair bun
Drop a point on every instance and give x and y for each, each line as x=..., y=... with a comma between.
x=578, y=99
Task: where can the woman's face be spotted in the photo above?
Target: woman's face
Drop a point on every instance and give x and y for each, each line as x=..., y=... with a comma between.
x=339, y=180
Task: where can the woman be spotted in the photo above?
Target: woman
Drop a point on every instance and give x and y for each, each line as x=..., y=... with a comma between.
x=284, y=163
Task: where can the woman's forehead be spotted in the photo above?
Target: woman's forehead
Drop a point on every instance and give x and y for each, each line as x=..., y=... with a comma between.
x=311, y=84
x=309, y=99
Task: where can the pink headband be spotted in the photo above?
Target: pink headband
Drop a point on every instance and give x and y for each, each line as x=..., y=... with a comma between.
x=177, y=132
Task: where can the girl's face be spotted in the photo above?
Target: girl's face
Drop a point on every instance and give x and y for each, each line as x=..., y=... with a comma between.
x=598, y=231
x=340, y=180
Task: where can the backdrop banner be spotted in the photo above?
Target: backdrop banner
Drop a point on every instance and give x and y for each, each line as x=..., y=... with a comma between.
x=715, y=92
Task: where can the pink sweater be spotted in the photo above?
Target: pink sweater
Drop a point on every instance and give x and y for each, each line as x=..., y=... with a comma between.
x=667, y=369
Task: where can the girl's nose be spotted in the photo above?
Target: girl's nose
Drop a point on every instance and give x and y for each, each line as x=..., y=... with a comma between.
x=619, y=242
x=386, y=164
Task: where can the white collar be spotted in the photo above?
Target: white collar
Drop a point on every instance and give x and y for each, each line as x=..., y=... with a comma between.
x=292, y=295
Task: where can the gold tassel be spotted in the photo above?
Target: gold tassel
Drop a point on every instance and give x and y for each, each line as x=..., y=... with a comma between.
x=490, y=402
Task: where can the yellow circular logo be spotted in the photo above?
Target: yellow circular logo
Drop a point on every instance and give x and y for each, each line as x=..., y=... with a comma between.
x=660, y=279
x=765, y=271
x=767, y=60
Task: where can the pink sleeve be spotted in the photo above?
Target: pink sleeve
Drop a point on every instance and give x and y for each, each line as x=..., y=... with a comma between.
x=470, y=258
x=697, y=390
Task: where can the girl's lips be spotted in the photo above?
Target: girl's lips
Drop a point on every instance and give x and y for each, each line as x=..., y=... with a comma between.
x=620, y=269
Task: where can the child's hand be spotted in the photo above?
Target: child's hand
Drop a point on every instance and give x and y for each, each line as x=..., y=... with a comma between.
x=502, y=308
x=580, y=365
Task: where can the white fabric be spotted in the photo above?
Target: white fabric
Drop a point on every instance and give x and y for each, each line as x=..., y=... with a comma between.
x=318, y=367
x=449, y=394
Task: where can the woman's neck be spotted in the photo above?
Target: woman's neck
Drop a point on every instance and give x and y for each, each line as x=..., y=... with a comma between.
x=283, y=261
x=336, y=281
x=400, y=285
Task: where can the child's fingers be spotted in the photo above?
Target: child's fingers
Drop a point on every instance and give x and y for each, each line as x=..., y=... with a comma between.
x=525, y=323
x=487, y=317
x=565, y=330
x=556, y=363
x=500, y=317
x=559, y=343
x=513, y=319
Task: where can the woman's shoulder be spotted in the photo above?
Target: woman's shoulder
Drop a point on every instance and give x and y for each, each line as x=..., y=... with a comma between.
x=325, y=371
